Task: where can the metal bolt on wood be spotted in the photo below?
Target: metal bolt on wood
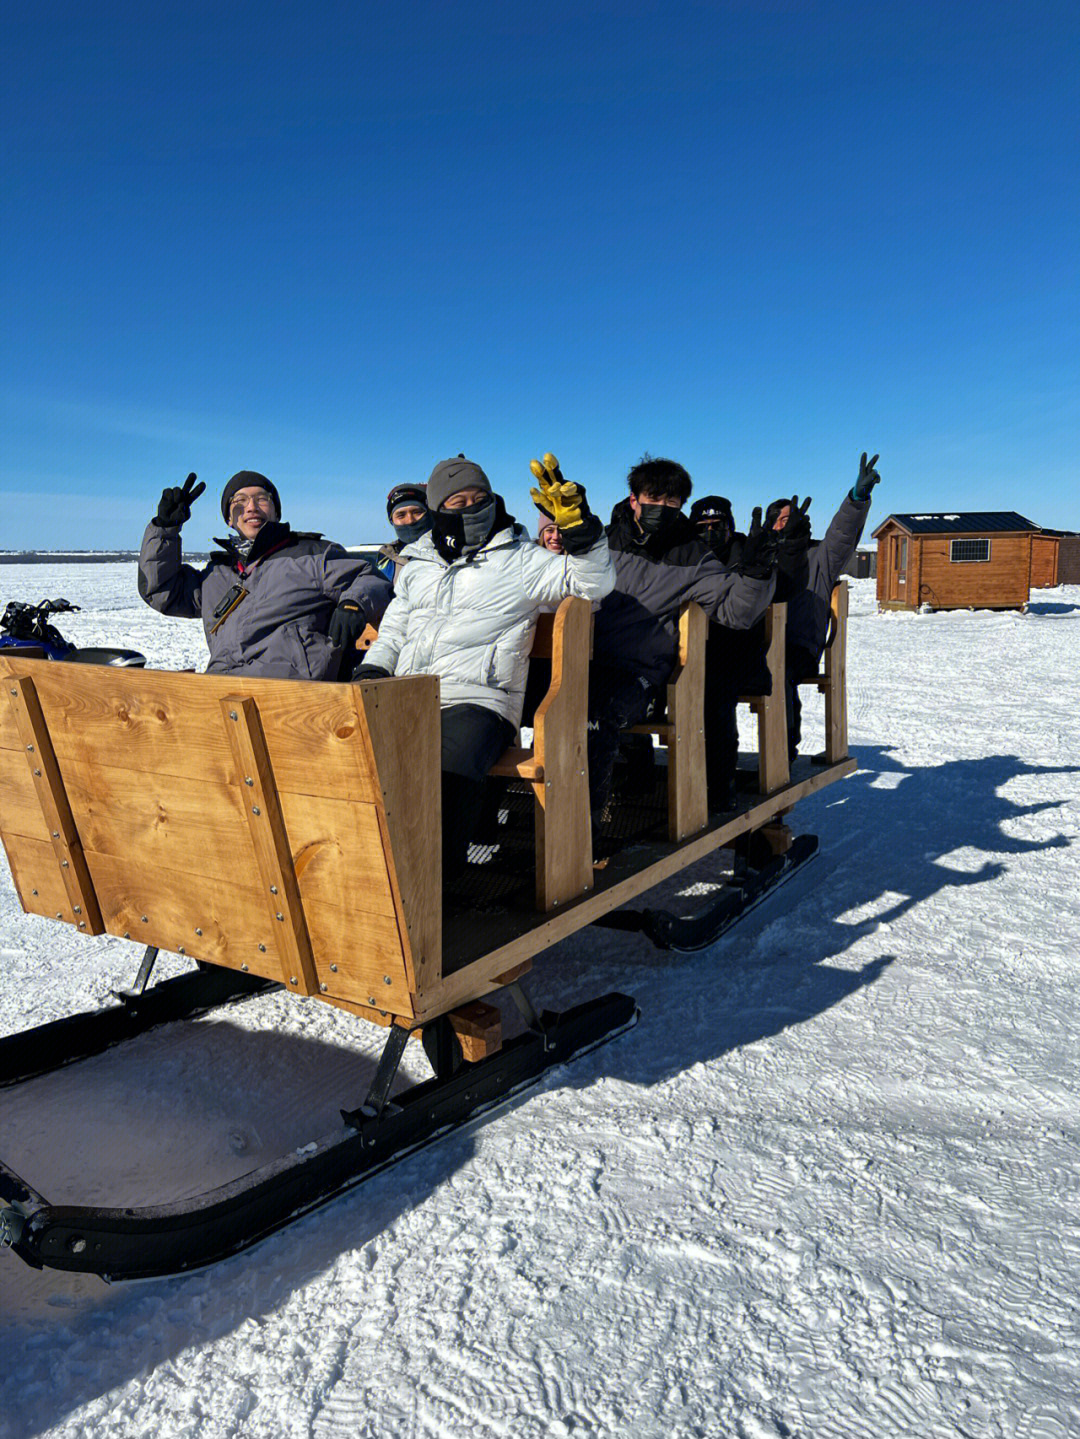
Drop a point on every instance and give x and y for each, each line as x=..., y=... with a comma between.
x=233, y=714
x=292, y=979
x=243, y=967
x=180, y=949
x=30, y=747
x=198, y=931
x=56, y=834
x=248, y=779
x=38, y=773
x=145, y=919
x=273, y=889
x=63, y=864
x=255, y=809
x=333, y=969
x=386, y=979
x=78, y=909
x=324, y=988
x=33, y=892
x=262, y=948
x=281, y=916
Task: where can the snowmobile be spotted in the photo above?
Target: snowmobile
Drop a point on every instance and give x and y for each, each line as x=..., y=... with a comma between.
x=285, y=834
x=26, y=628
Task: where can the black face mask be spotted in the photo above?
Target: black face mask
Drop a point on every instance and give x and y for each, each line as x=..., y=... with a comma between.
x=658, y=519
x=718, y=539
x=412, y=531
x=461, y=532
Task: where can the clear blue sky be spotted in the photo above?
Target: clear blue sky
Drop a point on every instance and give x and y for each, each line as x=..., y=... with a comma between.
x=336, y=242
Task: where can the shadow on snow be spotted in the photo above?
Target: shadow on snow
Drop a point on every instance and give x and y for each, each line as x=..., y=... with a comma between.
x=885, y=834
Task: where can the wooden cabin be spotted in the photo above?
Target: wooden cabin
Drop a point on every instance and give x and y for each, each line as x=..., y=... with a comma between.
x=982, y=560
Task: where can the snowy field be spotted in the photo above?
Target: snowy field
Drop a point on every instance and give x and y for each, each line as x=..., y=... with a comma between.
x=829, y=1186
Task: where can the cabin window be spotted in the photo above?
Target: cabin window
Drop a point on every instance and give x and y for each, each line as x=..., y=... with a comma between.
x=961, y=551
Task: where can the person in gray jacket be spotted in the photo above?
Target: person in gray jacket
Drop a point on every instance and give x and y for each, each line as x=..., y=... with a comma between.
x=810, y=599
x=465, y=609
x=274, y=602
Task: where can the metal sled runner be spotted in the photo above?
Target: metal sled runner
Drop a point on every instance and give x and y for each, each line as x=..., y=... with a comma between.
x=286, y=833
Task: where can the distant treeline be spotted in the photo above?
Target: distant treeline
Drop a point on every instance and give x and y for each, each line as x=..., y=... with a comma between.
x=85, y=557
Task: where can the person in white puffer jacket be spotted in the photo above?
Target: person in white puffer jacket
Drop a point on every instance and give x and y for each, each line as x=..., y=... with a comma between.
x=465, y=609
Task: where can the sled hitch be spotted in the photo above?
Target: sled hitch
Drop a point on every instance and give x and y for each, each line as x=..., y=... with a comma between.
x=173, y=1238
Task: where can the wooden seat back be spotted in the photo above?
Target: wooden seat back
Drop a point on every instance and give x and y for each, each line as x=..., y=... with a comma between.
x=683, y=729
x=265, y=825
x=557, y=764
x=832, y=682
x=774, y=768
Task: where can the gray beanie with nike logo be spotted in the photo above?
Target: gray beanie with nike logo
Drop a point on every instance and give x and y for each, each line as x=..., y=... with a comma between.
x=449, y=476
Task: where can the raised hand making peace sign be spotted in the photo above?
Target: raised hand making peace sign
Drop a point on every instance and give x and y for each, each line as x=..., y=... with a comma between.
x=174, y=507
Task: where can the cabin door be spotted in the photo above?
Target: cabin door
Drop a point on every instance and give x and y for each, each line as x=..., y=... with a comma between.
x=898, y=569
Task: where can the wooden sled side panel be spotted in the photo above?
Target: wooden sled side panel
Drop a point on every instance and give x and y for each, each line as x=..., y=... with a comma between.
x=262, y=843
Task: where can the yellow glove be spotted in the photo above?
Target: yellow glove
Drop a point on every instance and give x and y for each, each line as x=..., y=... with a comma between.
x=563, y=501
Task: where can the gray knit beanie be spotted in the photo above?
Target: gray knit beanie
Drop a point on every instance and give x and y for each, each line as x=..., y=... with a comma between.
x=449, y=476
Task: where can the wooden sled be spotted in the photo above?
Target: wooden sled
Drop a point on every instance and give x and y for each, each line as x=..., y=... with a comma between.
x=288, y=833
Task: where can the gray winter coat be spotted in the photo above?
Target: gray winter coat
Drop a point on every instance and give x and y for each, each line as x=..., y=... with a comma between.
x=635, y=628
x=471, y=622
x=808, y=610
x=293, y=581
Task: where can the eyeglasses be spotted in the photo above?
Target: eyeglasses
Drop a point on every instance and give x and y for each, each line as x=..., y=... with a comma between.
x=261, y=501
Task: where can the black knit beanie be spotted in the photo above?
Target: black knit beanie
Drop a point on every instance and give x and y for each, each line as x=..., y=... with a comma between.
x=405, y=495
x=245, y=480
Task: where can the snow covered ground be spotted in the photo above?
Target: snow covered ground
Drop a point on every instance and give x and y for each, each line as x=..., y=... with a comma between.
x=829, y=1186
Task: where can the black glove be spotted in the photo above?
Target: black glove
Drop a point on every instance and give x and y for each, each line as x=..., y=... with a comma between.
x=364, y=671
x=174, y=507
x=759, y=550
x=584, y=535
x=792, y=545
x=347, y=624
x=868, y=478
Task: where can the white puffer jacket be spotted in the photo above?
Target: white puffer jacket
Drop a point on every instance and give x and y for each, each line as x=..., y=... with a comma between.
x=471, y=622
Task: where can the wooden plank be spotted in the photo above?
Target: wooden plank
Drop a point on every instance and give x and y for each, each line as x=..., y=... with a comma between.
x=774, y=770
x=37, y=877
x=688, y=805
x=517, y=763
x=170, y=724
x=474, y=981
x=402, y=725
x=201, y=828
x=836, y=733
x=228, y=924
x=560, y=728
x=53, y=800
x=270, y=840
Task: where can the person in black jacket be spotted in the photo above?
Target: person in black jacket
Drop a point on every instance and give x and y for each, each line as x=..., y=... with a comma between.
x=660, y=563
